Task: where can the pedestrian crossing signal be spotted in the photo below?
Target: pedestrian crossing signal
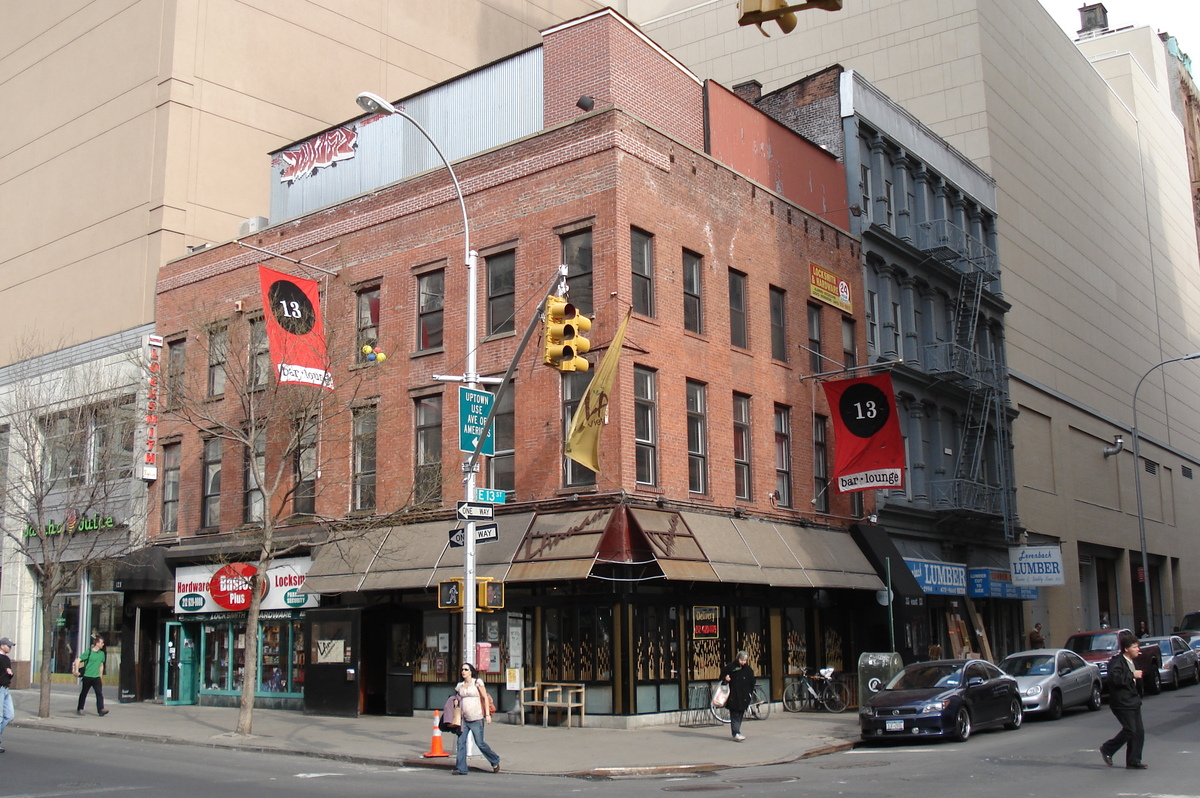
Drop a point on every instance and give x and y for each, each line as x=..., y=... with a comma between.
x=450, y=594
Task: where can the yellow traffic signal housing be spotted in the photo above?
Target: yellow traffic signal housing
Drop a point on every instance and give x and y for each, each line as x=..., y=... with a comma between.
x=565, y=343
x=756, y=12
x=490, y=596
x=450, y=594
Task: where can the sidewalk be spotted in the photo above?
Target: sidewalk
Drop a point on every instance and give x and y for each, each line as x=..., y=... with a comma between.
x=399, y=741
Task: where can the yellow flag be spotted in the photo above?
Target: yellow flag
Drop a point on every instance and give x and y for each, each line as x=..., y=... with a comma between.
x=583, y=441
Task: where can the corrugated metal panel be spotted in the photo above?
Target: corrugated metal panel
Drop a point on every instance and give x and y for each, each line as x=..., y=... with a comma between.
x=549, y=570
x=688, y=570
x=492, y=106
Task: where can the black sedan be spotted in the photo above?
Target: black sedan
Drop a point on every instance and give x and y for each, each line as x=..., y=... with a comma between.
x=944, y=698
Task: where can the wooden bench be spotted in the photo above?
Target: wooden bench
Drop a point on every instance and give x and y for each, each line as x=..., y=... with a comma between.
x=553, y=695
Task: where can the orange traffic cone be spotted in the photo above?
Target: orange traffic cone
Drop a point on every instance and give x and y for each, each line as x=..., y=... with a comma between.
x=436, y=744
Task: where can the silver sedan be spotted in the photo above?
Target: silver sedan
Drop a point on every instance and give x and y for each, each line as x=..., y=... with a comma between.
x=1179, y=661
x=1053, y=679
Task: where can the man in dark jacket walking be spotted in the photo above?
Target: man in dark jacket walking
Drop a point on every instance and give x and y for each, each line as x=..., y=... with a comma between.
x=740, y=677
x=1126, y=703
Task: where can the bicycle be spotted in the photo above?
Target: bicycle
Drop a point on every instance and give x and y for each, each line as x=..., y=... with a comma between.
x=813, y=690
x=759, y=709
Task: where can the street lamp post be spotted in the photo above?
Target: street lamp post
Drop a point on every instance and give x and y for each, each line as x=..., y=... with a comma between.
x=374, y=104
x=1137, y=487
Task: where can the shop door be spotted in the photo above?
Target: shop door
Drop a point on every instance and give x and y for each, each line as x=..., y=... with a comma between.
x=180, y=684
x=332, y=677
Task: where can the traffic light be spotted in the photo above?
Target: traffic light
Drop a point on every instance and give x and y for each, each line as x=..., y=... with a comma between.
x=490, y=596
x=756, y=12
x=450, y=594
x=565, y=343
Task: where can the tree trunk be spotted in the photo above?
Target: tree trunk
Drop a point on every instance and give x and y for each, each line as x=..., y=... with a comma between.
x=46, y=601
x=245, y=723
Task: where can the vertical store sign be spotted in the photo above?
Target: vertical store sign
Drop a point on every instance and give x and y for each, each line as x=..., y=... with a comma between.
x=154, y=344
x=869, y=449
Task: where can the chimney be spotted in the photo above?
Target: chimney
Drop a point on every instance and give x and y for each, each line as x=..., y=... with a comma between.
x=750, y=91
x=1094, y=19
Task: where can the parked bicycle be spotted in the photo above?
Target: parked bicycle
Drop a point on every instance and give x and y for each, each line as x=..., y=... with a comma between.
x=759, y=709
x=814, y=690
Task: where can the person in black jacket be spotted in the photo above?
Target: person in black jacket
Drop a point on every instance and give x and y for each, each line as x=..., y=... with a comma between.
x=740, y=677
x=1126, y=703
x=6, y=674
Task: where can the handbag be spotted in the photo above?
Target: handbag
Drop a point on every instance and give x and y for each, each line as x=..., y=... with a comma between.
x=491, y=705
x=721, y=695
x=451, y=716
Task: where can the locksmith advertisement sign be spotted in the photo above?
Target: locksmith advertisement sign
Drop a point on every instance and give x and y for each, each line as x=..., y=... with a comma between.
x=1036, y=566
x=222, y=588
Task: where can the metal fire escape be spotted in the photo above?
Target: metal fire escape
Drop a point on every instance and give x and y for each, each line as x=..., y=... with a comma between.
x=972, y=490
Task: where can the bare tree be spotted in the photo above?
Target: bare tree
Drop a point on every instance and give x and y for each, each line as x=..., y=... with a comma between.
x=225, y=388
x=69, y=493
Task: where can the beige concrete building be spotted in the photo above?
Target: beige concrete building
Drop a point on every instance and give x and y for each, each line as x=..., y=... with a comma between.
x=133, y=130
x=1097, y=245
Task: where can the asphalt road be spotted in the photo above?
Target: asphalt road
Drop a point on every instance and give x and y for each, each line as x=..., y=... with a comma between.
x=1054, y=759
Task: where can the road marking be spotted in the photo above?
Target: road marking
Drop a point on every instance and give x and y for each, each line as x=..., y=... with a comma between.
x=316, y=775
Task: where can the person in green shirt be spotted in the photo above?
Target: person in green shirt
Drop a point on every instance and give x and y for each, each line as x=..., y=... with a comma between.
x=90, y=667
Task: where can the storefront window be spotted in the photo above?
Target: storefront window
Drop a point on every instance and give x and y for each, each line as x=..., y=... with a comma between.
x=74, y=626
x=216, y=656
x=435, y=649
x=795, y=640
x=750, y=635
x=282, y=656
x=578, y=644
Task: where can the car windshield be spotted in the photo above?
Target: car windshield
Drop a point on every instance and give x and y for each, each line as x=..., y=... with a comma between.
x=1101, y=641
x=924, y=677
x=1147, y=645
x=1035, y=665
x=1190, y=621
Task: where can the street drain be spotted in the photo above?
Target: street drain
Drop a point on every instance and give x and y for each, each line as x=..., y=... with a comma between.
x=853, y=765
x=763, y=780
x=697, y=787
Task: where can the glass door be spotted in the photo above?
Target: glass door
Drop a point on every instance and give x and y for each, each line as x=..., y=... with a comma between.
x=180, y=676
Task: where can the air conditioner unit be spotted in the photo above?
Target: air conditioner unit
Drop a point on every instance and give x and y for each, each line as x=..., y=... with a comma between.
x=252, y=225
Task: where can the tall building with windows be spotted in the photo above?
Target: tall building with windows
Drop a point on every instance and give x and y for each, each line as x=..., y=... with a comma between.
x=708, y=525
x=1099, y=244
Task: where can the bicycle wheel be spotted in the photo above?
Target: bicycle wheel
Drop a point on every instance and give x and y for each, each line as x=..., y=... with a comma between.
x=793, y=697
x=720, y=713
x=836, y=696
x=761, y=707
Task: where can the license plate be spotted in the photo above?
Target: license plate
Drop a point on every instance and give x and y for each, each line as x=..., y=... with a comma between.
x=893, y=725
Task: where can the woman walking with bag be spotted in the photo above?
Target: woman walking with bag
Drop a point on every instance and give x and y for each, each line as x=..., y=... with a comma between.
x=90, y=667
x=476, y=707
x=740, y=678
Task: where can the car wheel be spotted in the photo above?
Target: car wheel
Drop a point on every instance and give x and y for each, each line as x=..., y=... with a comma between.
x=1154, y=683
x=1055, y=710
x=1096, y=700
x=1016, y=714
x=962, y=725
x=1174, y=678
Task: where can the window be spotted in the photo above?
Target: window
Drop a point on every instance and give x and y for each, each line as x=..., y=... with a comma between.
x=260, y=355
x=645, y=423
x=577, y=255
x=864, y=185
x=218, y=349
x=170, y=490
x=872, y=320
x=112, y=440
x=741, y=446
x=574, y=386
x=362, y=480
x=427, y=481
x=849, y=348
x=87, y=445
x=778, y=302
x=783, y=456
x=693, y=316
x=502, y=466
x=175, y=363
x=252, y=479
x=820, y=466
x=738, y=332
x=64, y=459
x=431, y=291
x=366, y=321
x=815, y=355
x=697, y=434
x=304, y=469
x=501, y=282
x=210, y=492
x=889, y=199
x=641, y=246
x=897, y=329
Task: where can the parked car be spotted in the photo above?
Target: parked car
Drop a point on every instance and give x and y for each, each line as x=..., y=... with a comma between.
x=943, y=698
x=1192, y=639
x=1178, y=660
x=1100, y=646
x=1053, y=679
x=1189, y=623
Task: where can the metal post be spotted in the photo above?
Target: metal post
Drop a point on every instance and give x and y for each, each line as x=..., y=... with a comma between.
x=372, y=103
x=1137, y=488
x=891, y=612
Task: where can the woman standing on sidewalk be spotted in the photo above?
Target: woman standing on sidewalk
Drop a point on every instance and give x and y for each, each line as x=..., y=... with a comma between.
x=476, y=711
x=740, y=677
x=90, y=667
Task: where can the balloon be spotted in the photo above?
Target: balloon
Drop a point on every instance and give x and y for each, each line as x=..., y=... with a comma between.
x=366, y=350
x=371, y=356
x=380, y=356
